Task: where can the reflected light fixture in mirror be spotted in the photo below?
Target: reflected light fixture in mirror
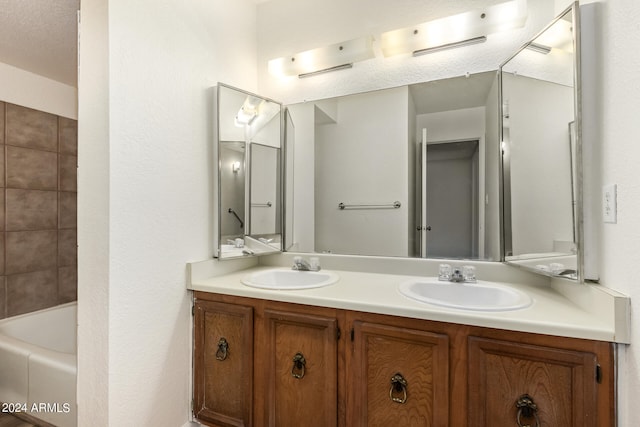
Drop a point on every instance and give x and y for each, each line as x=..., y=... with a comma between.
x=248, y=112
x=323, y=59
x=558, y=36
x=456, y=30
x=539, y=48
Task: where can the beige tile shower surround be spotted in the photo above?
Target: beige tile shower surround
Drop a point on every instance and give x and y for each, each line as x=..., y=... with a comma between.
x=38, y=195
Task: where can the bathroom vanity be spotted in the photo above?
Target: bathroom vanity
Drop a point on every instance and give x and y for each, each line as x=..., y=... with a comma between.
x=358, y=353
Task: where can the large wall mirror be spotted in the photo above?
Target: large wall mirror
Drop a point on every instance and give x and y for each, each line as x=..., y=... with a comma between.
x=410, y=171
x=248, y=187
x=541, y=134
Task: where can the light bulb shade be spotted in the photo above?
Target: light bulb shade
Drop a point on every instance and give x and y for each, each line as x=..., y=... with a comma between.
x=248, y=111
x=557, y=36
x=536, y=47
x=453, y=45
x=323, y=58
x=245, y=116
x=456, y=28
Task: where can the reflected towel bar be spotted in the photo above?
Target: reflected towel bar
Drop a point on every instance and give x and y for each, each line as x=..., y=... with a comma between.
x=261, y=205
x=231, y=211
x=394, y=205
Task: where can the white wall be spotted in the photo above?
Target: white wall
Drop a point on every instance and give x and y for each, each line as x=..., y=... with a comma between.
x=24, y=88
x=232, y=191
x=264, y=189
x=144, y=185
x=93, y=217
x=541, y=209
x=362, y=159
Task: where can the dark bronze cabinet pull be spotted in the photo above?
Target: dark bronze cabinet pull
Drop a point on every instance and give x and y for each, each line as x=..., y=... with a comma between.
x=398, y=391
x=298, y=369
x=223, y=349
x=527, y=409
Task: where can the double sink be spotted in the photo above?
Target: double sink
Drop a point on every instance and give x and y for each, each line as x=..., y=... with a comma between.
x=479, y=296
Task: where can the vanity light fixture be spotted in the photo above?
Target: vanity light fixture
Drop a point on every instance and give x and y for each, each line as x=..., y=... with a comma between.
x=312, y=62
x=539, y=48
x=428, y=50
x=235, y=167
x=326, y=70
x=456, y=30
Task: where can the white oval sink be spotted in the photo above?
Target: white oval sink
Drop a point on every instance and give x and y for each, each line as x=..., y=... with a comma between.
x=480, y=296
x=290, y=279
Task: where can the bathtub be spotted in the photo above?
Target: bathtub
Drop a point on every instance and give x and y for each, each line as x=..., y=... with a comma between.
x=38, y=364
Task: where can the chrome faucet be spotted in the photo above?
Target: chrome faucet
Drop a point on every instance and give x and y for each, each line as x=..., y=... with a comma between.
x=457, y=274
x=301, y=265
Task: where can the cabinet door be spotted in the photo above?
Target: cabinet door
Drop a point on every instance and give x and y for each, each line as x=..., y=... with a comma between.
x=300, y=368
x=400, y=377
x=561, y=383
x=223, y=365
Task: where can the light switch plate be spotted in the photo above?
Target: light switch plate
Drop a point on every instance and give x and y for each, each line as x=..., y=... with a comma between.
x=609, y=204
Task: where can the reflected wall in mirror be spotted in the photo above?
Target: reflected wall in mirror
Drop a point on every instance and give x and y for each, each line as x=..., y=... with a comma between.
x=541, y=152
x=232, y=185
x=266, y=219
x=410, y=171
x=248, y=202
x=289, y=155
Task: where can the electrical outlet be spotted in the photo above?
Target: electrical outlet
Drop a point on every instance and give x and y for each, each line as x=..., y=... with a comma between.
x=609, y=204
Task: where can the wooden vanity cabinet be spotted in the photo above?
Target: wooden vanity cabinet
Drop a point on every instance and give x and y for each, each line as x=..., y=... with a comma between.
x=298, y=369
x=289, y=365
x=559, y=382
x=280, y=366
x=223, y=364
x=400, y=376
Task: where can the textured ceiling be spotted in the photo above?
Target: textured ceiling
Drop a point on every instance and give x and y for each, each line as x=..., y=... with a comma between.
x=40, y=36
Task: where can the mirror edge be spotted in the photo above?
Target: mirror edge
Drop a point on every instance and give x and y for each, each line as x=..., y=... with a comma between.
x=216, y=193
x=215, y=205
x=505, y=212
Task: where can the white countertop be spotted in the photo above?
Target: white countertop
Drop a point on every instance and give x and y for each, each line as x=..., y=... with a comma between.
x=561, y=309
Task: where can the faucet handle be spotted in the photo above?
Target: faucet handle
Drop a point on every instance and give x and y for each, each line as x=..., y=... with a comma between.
x=444, y=272
x=469, y=273
x=314, y=263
